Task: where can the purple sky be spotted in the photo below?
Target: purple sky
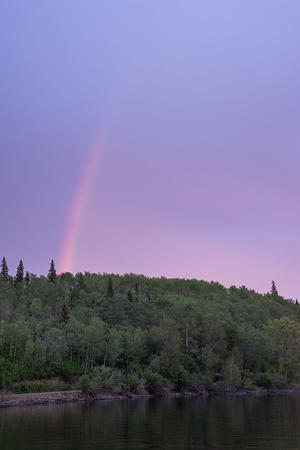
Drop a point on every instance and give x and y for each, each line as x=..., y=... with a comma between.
x=200, y=171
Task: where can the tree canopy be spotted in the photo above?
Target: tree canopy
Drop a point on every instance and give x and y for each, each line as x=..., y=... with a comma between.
x=136, y=331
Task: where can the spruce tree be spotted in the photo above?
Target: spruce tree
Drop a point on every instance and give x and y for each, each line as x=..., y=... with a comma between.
x=52, y=272
x=27, y=279
x=110, y=289
x=64, y=315
x=273, y=289
x=129, y=296
x=20, y=273
x=4, y=269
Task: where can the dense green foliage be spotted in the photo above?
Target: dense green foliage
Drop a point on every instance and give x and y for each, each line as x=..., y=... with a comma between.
x=132, y=333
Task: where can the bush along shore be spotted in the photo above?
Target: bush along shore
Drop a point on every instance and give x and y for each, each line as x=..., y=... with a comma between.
x=94, y=391
x=102, y=335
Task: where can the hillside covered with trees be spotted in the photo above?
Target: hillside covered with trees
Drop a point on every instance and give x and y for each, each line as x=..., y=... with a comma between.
x=130, y=333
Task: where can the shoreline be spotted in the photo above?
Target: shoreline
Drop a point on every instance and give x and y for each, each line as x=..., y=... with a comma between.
x=57, y=397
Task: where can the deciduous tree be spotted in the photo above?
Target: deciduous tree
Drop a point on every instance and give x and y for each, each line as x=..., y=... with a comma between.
x=284, y=334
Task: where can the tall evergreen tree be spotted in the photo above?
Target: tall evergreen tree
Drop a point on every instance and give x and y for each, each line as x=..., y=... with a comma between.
x=20, y=273
x=110, y=289
x=4, y=269
x=64, y=315
x=27, y=279
x=274, y=289
x=52, y=272
x=129, y=296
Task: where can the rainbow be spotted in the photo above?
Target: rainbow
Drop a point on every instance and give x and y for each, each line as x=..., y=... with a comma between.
x=78, y=205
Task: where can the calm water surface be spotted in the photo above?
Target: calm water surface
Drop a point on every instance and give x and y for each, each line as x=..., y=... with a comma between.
x=186, y=423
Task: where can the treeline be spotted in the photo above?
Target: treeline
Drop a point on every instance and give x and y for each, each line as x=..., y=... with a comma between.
x=132, y=333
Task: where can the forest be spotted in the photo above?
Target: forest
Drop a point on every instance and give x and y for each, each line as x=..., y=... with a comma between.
x=134, y=334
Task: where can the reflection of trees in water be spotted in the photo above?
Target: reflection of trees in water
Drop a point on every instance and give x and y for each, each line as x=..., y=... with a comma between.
x=172, y=423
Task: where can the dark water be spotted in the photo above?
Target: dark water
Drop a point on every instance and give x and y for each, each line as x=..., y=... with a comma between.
x=186, y=423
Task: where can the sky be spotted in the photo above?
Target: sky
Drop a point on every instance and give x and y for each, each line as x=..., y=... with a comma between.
x=154, y=137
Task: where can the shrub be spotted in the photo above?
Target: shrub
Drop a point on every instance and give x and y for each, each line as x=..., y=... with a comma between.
x=132, y=382
x=278, y=381
x=84, y=384
x=264, y=379
x=103, y=379
x=155, y=383
x=195, y=382
x=68, y=369
x=232, y=374
x=249, y=385
x=25, y=387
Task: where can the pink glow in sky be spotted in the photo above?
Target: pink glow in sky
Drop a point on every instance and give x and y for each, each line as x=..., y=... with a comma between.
x=199, y=173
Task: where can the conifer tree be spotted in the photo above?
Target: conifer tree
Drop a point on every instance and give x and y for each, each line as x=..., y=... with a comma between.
x=65, y=313
x=4, y=269
x=27, y=279
x=129, y=296
x=20, y=273
x=52, y=272
x=110, y=289
x=274, y=289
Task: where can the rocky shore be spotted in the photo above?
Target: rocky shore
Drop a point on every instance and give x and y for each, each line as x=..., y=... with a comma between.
x=41, y=398
x=77, y=396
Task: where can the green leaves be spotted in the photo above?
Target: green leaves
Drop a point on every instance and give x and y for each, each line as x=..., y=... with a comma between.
x=284, y=335
x=165, y=330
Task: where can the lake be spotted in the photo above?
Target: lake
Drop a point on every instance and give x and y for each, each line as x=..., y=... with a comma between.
x=220, y=422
